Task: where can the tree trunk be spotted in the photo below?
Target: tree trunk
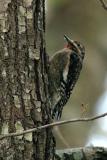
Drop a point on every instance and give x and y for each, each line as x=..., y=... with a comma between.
x=24, y=93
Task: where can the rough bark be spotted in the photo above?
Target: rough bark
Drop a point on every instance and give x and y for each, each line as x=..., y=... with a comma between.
x=24, y=97
x=87, y=153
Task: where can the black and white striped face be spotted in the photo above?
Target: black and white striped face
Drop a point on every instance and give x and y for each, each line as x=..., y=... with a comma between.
x=75, y=46
x=79, y=48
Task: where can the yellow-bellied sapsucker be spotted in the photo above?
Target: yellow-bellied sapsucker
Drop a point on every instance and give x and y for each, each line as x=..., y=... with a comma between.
x=64, y=70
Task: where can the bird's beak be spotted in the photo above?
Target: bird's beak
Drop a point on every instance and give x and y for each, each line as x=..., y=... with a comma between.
x=70, y=41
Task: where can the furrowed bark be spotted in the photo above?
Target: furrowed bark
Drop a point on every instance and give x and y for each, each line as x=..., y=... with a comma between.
x=24, y=92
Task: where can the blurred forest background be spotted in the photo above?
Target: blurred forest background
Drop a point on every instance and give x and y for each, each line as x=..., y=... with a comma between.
x=84, y=21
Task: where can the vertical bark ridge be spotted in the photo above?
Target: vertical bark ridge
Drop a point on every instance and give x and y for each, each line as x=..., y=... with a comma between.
x=24, y=94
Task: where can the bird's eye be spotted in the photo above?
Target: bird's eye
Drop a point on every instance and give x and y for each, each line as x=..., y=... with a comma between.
x=79, y=45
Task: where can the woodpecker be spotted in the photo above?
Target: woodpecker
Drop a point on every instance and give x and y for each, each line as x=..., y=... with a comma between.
x=64, y=70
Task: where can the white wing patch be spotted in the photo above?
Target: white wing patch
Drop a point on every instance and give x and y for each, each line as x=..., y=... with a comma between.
x=65, y=73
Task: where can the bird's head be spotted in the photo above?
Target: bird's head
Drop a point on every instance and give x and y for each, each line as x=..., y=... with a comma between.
x=75, y=46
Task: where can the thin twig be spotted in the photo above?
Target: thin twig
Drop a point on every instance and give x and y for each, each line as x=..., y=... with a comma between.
x=104, y=5
x=52, y=125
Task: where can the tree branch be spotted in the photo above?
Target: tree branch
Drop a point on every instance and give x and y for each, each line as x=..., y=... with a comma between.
x=52, y=125
x=104, y=5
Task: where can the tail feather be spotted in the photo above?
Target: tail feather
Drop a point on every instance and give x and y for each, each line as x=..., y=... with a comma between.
x=57, y=111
